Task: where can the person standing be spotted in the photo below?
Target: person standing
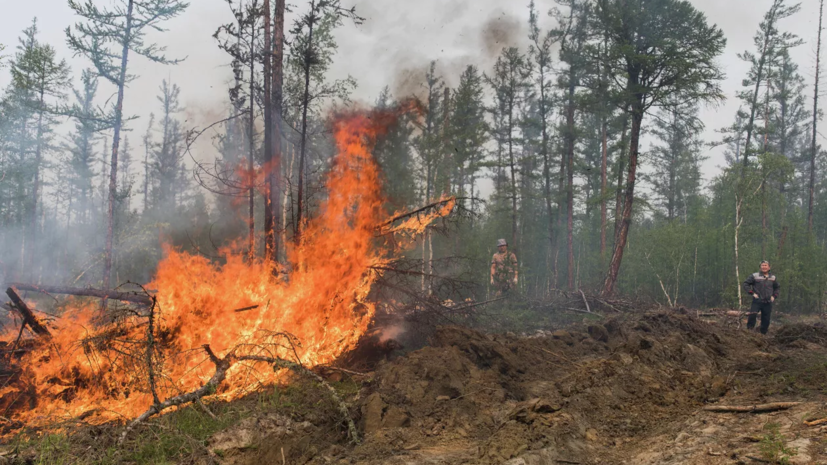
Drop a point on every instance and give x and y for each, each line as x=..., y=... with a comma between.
x=763, y=286
x=503, y=268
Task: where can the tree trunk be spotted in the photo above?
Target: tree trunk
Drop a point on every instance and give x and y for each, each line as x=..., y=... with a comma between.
x=546, y=160
x=38, y=159
x=303, y=143
x=620, y=169
x=759, y=77
x=113, y=172
x=814, y=145
x=626, y=220
x=274, y=168
x=268, y=128
x=570, y=139
x=512, y=168
x=251, y=191
x=603, y=184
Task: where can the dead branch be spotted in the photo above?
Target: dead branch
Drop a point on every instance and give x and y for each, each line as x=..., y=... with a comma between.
x=588, y=309
x=281, y=363
x=221, y=367
x=87, y=292
x=28, y=317
x=577, y=310
x=245, y=309
x=758, y=408
x=430, y=206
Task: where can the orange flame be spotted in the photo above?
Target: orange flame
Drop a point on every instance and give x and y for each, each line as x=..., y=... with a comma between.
x=323, y=305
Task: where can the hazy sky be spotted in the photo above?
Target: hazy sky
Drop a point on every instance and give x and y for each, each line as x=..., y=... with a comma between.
x=392, y=47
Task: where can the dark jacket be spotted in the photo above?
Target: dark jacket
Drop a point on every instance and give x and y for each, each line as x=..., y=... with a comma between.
x=763, y=286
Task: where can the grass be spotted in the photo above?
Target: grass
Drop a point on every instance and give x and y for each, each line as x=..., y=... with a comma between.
x=774, y=446
x=180, y=436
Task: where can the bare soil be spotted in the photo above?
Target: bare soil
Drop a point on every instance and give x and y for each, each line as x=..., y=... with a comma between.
x=627, y=390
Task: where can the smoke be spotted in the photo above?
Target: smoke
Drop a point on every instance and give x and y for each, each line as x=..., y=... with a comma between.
x=501, y=30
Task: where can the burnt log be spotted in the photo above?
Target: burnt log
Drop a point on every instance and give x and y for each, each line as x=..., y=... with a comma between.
x=133, y=297
x=29, y=317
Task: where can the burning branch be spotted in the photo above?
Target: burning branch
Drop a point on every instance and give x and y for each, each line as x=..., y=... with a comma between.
x=279, y=363
x=221, y=367
x=28, y=316
x=87, y=292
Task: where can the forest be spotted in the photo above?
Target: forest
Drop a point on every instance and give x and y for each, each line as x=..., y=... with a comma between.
x=278, y=269
x=583, y=150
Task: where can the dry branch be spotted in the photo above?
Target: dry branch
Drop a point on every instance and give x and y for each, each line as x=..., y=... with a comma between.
x=221, y=367
x=588, y=309
x=758, y=408
x=818, y=422
x=423, y=209
x=87, y=292
x=281, y=363
x=28, y=317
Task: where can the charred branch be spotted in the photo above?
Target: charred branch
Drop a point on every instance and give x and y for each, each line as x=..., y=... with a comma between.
x=133, y=297
x=221, y=367
x=26, y=313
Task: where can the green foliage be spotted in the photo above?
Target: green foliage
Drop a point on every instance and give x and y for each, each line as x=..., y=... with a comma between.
x=774, y=445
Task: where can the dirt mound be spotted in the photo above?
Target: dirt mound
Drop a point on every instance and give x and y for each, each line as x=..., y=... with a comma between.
x=789, y=334
x=563, y=394
x=630, y=389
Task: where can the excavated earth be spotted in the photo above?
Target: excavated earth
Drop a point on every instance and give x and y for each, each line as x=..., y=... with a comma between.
x=628, y=391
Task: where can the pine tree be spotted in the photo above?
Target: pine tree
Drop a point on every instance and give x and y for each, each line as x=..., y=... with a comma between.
x=770, y=43
x=393, y=152
x=468, y=130
x=540, y=53
x=676, y=158
x=166, y=159
x=106, y=37
x=41, y=81
x=510, y=82
x=311, y=56
x=81, y=148
x=660, y=49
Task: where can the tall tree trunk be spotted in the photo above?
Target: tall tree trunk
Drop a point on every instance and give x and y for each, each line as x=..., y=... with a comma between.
x=814, y=145
x=570, y=139
x=268, y=127
x=274, y=166
x=603, y=185
x=621, y=159
x=251, y=190
x=303, y=143
x=754, y=103
x=512, y=168
x=546, y=159
x=38, y=159
x=113, y=169
x=626, y=221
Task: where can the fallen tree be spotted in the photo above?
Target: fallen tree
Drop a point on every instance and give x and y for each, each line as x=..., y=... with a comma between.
x=134, y=297
x=221, y=367
x=757, y=408
x=26, y=313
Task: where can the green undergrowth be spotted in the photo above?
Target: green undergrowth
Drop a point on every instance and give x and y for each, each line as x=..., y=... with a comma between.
x=178, y=437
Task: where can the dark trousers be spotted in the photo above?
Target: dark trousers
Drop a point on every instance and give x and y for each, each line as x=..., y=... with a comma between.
x=765, y=309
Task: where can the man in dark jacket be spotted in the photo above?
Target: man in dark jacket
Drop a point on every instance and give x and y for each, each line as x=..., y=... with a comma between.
x=764, y=289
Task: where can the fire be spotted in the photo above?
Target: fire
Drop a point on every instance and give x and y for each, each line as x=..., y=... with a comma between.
x=102, y=372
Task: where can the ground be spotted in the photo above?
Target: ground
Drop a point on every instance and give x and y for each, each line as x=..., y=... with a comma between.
x=630, y=389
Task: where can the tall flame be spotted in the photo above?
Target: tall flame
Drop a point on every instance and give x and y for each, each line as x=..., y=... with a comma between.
x=315, y=315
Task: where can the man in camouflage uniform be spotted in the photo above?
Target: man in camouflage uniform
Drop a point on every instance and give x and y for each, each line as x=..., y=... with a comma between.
x=503, y=268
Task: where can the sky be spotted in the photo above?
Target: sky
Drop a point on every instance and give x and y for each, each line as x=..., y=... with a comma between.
x=392, y=47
